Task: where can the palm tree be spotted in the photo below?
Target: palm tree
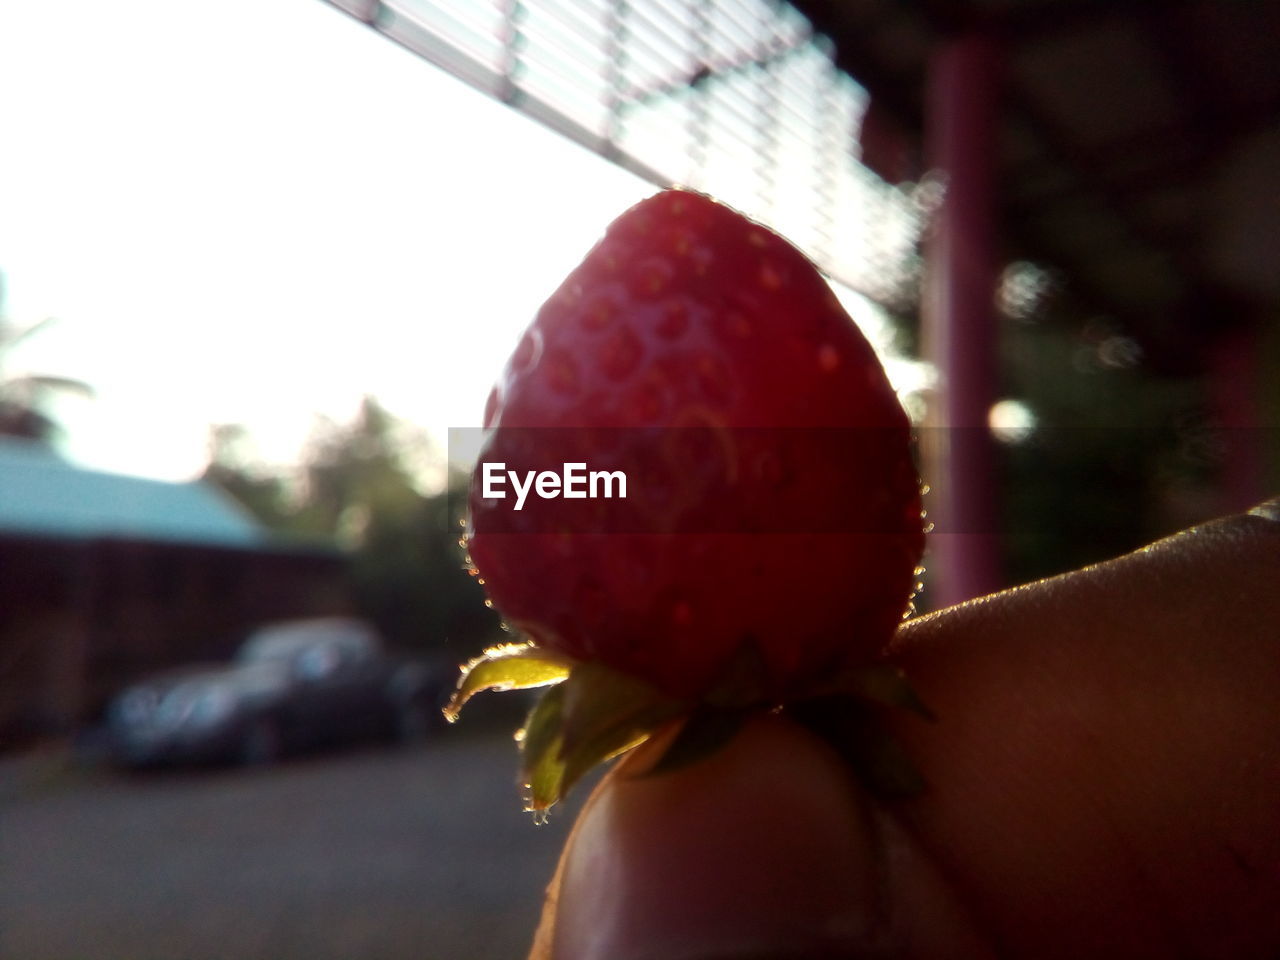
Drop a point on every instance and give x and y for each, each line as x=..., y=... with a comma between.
x=24, y=397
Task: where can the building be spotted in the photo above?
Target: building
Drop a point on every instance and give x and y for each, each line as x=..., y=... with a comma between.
x=104, y=577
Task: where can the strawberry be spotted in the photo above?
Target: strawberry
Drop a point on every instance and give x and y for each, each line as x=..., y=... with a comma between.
x=772, y=527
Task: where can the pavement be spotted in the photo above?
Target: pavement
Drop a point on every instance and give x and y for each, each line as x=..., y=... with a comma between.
x=377, y=854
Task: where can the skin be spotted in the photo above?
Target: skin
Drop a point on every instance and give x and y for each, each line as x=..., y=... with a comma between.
x=1104, y=780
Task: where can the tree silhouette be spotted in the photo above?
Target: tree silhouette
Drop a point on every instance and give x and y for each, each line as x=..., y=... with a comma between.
x=25, y=397
x=356, y=487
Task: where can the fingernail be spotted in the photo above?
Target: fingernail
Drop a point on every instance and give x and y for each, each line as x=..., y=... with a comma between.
x=763, y=849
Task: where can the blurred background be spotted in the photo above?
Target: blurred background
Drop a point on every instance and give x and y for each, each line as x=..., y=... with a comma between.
x=257, y=259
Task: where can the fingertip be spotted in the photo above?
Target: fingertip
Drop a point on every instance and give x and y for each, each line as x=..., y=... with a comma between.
x=766, y=848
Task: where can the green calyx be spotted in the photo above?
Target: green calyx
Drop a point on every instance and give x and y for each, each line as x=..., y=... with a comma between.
x=591, y=713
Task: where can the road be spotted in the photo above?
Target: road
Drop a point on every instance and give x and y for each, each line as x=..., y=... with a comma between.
x=383, y=854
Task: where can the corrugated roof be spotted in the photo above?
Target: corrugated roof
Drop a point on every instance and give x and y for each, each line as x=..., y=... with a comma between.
x=42, y=494
x=1137, y=145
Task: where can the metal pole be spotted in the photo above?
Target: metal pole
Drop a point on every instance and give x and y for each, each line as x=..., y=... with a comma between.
x=1236, y=393
x=959, y=322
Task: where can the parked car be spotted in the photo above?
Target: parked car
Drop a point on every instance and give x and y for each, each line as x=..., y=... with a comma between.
x=293, y=686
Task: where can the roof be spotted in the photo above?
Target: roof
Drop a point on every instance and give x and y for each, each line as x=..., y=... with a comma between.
x=1139, y=144
x=43, y=494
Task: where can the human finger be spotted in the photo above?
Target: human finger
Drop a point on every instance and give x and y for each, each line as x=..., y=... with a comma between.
x=766, y=848
x=1105, y=770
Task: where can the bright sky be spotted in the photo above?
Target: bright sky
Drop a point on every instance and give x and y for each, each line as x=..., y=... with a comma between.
x=252, y=211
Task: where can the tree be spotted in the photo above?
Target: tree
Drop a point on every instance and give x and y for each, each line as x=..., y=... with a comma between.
x=25, y=397
x=232, y=467
x=1113, y=446
x=355, y=487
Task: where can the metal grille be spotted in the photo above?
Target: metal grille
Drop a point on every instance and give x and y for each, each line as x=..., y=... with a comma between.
x=735, y=97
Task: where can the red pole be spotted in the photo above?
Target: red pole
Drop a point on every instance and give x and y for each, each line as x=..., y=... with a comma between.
x=1236, y=394
x=959, y=321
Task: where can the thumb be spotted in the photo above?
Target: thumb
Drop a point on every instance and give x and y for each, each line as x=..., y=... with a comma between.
x=766, y=848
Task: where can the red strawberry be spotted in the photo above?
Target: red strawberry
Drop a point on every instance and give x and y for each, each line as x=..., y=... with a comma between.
x=773, y=514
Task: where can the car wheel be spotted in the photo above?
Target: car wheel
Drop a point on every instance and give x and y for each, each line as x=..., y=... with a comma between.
x=261, y=744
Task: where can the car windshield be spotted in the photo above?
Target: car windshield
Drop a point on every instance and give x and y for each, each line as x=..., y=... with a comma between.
x=283, y=643
x=272, y=649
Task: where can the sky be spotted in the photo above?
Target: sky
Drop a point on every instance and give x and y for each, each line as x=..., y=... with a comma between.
x=257, y=211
